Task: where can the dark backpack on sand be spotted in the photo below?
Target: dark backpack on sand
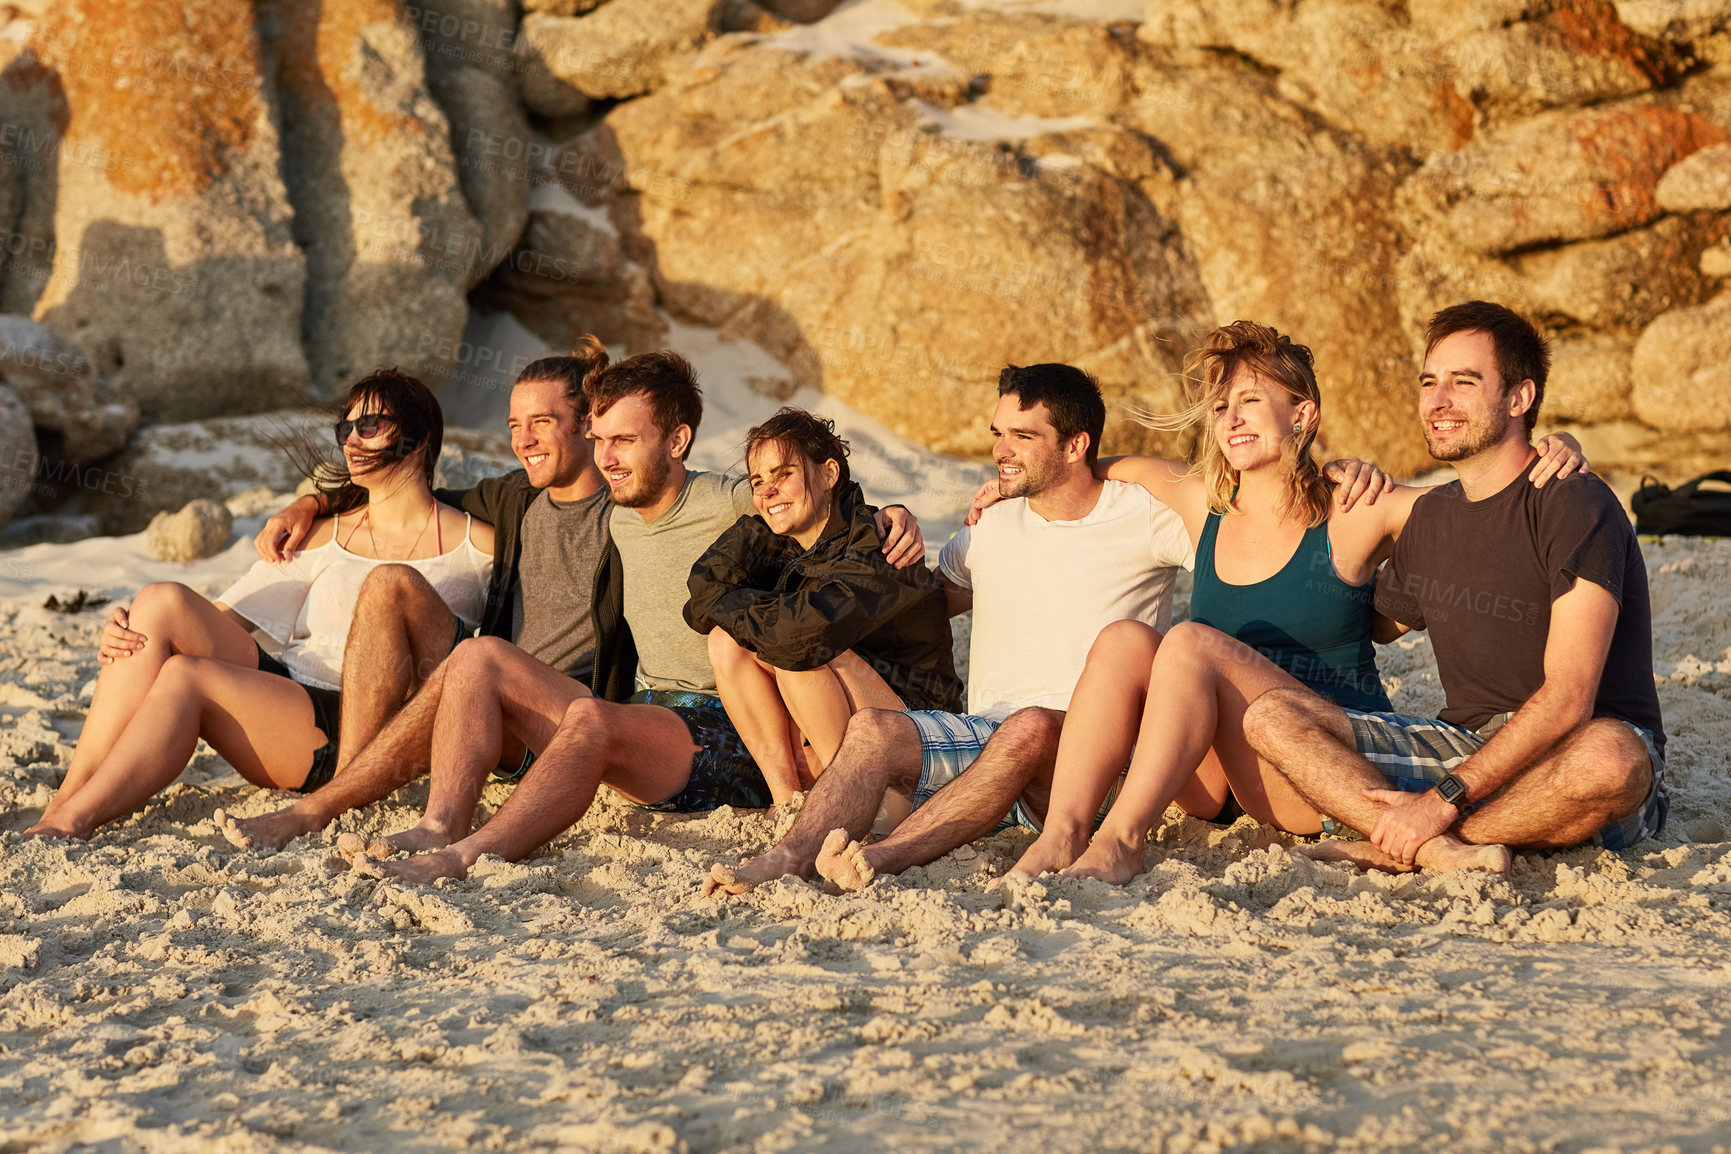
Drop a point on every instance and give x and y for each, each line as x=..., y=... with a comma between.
x=1688, y=510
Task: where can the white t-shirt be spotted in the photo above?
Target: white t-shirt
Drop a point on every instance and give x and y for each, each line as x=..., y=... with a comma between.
x=307, y=602
x=1043, y=590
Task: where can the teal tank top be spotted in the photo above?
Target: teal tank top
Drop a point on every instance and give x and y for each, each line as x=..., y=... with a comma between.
x=1305, y=619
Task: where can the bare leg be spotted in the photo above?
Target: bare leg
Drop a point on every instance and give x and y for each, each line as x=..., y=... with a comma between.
x=491, y=690
x=1099, y=733
x=398, y=637
x=1200, y=685
x=174, y=620
x=400, y=633
x=642, y=751
x=747, y=688
x=1311, y=742
x=260, y=723
x=880, y=752
x=1017, y=760
x=821, y=701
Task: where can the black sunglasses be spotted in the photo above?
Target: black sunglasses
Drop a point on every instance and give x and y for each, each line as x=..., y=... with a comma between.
x=368, y=425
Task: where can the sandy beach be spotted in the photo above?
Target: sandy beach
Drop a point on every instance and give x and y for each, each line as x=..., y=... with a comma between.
x=163, y=991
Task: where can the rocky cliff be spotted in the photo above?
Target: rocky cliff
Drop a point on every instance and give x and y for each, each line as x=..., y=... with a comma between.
x=217, y=208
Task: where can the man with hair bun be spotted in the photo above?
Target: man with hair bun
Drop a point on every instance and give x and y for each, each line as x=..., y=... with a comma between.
x=551, y=520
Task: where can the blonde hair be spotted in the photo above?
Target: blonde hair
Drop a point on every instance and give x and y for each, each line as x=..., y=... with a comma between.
x=1208, y=374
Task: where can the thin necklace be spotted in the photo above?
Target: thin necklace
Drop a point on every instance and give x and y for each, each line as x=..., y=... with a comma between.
x=413, y=545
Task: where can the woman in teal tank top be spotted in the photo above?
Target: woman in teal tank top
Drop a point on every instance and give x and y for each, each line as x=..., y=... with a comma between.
x=1305, y=619
x=1284, y=574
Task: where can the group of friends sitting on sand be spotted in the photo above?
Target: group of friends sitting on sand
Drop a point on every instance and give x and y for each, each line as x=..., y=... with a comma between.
x=607, y=615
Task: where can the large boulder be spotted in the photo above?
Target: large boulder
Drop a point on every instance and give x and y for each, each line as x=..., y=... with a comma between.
x=167, y=466
x=622, y=49
x=1416, y=79
x=1622, y=282
x=897, y=255
x=1590, y=378
x=472, y=74
x=174, y=265
x=18, y=458
x=1682, y=369
x=569, y=275
x=1559, y=176
x=389, y=239
x=33, y=121
x=59, y=385
x=1700, y=181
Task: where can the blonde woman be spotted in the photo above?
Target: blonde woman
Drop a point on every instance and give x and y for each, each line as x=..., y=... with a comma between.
x=1282, y=596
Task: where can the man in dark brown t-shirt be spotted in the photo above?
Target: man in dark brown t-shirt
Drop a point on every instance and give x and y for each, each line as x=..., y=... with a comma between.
x=1536, y=603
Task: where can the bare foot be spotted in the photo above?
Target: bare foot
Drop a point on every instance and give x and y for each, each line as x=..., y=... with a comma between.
x=267, y=831
x=1109, y=859
x=1446, y=853
x=842, y=862
x=42, y=830
x=1052, y=851
x=1439, y=855
x=1346, y=851
x=352, y=845
x=743, y=878
x=419, y=869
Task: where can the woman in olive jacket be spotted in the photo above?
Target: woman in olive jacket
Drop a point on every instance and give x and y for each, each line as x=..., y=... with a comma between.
x=807, y=622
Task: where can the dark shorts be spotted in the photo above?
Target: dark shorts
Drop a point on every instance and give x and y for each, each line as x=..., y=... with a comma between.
x=327, y=715
x=723, y=772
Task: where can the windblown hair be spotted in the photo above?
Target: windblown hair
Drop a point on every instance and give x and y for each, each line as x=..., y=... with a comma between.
x=1522, y=354
x=1209, y=371
x=666, y=380
x=419, y=427
x=798, y=431
x=570, y=370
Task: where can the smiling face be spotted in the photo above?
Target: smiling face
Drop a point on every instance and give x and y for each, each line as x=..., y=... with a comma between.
x=546, y=434
x=1462, y=401
x=634, y=458
x=791, y=494
x=1253, y=419
x=1029, y=454
x=360, y=450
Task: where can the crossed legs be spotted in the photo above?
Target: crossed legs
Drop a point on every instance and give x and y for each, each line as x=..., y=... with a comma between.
x=400, y=633
x=1599, y=773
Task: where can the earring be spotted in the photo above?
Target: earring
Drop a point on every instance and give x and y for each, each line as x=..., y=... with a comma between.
x=1298, y=426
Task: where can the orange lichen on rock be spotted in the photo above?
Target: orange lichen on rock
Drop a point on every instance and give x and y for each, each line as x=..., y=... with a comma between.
x=163, y=96
x=1629, y=150
x=1592, y=28
x=320, y=55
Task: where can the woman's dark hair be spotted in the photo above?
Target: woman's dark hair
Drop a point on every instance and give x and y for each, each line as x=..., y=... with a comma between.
x=811, y=436
x=418, y=426
x=568, y=371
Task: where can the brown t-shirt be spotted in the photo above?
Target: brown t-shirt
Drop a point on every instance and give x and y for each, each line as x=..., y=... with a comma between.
x=1481, y=576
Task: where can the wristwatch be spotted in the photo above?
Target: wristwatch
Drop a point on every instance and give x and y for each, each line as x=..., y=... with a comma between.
x=1454, y=791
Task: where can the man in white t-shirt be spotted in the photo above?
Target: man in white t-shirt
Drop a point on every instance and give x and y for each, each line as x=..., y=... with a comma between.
x=1062, y=556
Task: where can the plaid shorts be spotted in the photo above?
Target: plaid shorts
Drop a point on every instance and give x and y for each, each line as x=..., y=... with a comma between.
x=1415, y=753
x=950, y=743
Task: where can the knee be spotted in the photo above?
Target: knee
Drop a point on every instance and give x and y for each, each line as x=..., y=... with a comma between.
x=178, y=675
x=389, y=590
x=160, y=601
x=1032, y=730
x=725, y=652
x=1273, y=715
x=1611, y=764
x=875, y=725
x=475, y=660
x=588, y=715
x=1132, y=642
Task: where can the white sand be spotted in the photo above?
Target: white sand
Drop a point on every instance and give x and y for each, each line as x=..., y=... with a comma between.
x=161, y=991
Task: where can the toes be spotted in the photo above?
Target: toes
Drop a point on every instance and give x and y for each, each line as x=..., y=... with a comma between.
x=365, y=866
x=351, y=846
x=378, y=849
x=835, y=841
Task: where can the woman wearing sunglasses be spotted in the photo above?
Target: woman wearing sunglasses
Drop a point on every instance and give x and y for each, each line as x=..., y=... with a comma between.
x=200, y=673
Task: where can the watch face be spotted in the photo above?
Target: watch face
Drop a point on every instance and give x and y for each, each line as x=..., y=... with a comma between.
x=1453, y=790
